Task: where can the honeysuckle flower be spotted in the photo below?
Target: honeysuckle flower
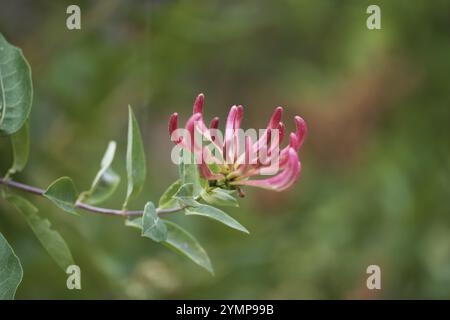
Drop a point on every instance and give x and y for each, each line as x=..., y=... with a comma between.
x=220, y=160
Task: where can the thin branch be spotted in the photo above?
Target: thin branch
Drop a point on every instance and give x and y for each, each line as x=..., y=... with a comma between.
x=84, y=206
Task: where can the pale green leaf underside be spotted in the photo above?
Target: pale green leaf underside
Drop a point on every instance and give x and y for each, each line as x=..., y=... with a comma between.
x=104, y=189
x=134, y=223
x=167, y=200
x=62, y=193
x=185, y=244
x=181, y=242
x=50, y=239
x=105, y=182
x=10, y=270
x=135, y=160
x=16, y=89
x=215, y=214
x=152, y=226
x=106, y=162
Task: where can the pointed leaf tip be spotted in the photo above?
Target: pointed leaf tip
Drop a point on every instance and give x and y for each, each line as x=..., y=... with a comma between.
x=135, y=159
x=182, y=242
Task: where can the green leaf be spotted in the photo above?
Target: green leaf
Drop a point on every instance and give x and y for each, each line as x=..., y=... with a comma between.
x=167, y=200
x=134, y=223
x=136, y=166
x=105, y=187
x=189, y=174
x=16, y=88
x=20, y=142
x=185, y=244
x=219, y=197
x=215, y=214
x=185, y=195
x=50, y=239
x=62, y=193
x=106, y=180
x=180, y=241
x=10, y=270
x=152, y=226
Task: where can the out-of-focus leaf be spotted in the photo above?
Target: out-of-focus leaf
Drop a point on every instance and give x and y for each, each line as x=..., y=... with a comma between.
x=10, y=270
x=16, y=88
x=105, y=187
x=106, y=180
x=50, y=239
x=152, y=226
x=62, y=192
x=185, y=195
x=20, y=142
x=219, y=197
x=185, y=244
x=215, y=214
x=136, y=166
x=167, y=200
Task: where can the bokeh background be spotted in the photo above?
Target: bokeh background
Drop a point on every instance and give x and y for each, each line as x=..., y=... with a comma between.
x=375, y=184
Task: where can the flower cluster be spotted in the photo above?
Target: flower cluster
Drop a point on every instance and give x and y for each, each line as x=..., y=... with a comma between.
x=234, y=159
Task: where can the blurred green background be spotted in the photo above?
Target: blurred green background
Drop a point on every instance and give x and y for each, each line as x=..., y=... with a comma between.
x=375, y=183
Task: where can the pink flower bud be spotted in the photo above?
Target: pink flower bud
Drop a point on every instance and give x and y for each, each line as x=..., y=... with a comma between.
x=198, y=104
x=214, y=124
x=275, y=118
x=173, y=123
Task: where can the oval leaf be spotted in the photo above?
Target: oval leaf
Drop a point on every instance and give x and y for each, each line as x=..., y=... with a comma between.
x=62, y=192
x=136, y=166
x=215, y=214
x=152, y=226
x=50, y=239
x=10, y=270
x=16, y=89
x=167, y=200
x=182, y=242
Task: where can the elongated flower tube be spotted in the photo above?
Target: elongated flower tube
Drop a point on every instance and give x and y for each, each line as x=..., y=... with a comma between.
x=233, y=159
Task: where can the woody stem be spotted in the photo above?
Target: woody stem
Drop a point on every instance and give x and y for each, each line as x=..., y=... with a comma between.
x=84, y=206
